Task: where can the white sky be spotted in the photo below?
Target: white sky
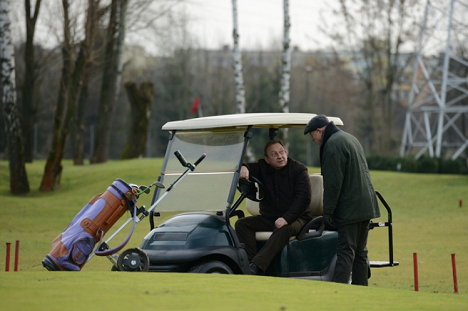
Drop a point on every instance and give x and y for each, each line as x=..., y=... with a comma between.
x=260, y=22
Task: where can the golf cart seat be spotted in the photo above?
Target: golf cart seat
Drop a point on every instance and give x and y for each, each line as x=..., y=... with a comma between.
x=316, y=205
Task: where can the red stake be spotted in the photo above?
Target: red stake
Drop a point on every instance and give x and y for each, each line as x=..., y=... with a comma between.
x=7, y=260
x=454, y=268
x=416, y=278
x=16, y=255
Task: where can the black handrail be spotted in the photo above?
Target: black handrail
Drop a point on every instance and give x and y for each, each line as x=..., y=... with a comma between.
x=388, y=224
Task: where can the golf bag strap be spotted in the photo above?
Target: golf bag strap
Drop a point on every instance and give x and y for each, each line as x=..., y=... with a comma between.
x=114, y=250
x=124, y=196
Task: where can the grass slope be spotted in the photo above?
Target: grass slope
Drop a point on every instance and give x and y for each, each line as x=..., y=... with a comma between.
x=168, y=291
x=426, y=216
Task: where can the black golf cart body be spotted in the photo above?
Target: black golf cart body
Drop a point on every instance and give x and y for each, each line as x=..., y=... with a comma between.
x=202, y=239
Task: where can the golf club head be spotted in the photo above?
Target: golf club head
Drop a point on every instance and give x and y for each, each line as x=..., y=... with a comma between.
x=159, y=184
x=145, y=189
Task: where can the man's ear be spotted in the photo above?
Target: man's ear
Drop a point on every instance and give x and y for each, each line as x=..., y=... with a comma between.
x=266, y=159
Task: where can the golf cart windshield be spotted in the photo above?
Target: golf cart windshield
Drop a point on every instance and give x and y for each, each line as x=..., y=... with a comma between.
x=207, y=188
x=223, y=138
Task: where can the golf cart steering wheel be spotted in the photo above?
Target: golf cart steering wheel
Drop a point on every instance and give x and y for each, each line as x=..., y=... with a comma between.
x=248, y=188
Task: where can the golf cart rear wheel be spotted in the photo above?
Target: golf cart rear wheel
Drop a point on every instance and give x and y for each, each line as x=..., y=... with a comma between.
x=215, y=267
x=133, y=260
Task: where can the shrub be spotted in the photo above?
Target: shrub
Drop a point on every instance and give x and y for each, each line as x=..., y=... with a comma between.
x=408, y=164
x=424, y=164
x=382, y=163
x=427, y=165
x=449, y=166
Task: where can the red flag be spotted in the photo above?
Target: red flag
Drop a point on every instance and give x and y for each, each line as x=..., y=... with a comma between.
x=195, y=106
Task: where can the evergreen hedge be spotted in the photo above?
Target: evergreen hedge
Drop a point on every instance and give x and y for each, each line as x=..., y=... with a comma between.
x=424, y=164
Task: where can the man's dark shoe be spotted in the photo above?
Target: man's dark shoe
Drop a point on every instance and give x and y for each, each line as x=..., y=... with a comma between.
x=254, y=269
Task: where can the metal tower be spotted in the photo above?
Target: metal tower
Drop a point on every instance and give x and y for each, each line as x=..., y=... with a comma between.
x=436, y=119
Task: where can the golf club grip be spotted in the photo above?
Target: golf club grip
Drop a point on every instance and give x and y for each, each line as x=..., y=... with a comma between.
x=200, y=159
x=181, y=158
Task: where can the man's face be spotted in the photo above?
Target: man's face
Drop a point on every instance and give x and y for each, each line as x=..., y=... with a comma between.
x=316, y=136
x=276, y=156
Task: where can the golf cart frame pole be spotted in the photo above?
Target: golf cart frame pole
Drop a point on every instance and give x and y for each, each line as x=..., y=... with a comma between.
x=164, y=166
x=247, y=136
x=388, y=224
x=229, y=209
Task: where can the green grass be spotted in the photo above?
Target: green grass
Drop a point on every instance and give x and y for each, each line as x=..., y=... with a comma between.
x=426, y=216
x=168, y=291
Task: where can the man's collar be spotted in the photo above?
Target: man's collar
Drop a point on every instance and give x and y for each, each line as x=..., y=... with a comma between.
x=282, y=171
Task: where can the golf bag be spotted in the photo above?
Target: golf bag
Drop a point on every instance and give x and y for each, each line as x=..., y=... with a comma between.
x=71, y=249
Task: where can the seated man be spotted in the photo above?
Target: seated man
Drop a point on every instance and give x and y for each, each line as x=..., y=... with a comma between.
x=284, y=208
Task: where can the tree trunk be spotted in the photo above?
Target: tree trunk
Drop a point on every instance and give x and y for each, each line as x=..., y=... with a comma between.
x=140, y=102
x=286, y=71
x=18, y=178
x=238, y=76
x=92, y=21
x=69, y=91
x=79, y=127
x=53, y=168
x=110, y=80
x=29, y=106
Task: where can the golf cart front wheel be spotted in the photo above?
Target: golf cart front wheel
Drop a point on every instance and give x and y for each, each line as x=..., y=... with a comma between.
x=133, y=260
x=215, y=267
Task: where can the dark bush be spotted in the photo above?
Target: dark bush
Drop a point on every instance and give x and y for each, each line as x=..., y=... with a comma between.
x=382, y=163
x=427, y=165
x=408, y=164
x=424, y=164
x=449, y=166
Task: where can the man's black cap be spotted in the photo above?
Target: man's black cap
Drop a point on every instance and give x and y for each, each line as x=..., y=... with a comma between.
x=316, y=122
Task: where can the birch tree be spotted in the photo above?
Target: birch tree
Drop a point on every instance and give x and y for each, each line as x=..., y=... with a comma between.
x=18, y=178
x=286, y=70
x=238, y=76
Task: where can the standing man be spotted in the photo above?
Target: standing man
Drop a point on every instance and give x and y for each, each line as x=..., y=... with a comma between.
x=284, y=208
x=349, y=200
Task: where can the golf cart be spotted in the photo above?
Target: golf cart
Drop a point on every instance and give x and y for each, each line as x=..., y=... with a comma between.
x=202, y=239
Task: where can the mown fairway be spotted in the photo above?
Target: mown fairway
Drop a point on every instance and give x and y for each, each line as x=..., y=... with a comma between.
x=427, y=221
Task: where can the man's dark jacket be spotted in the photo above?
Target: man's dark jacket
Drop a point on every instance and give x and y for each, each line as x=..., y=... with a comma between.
x=287, y=191
x=348, y=192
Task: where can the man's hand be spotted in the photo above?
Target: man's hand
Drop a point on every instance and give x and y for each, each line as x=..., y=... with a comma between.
x=244, y=173
x=280, y=222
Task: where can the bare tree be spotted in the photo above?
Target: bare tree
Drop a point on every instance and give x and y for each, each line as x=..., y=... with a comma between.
x=18, y=178
x=141, y=100
x=139, y=16
x=286, y=70
x=94, y=15
x=73, y=72
x=238, y=76
x=111, y=78
x=30, y=76
x=375, y=32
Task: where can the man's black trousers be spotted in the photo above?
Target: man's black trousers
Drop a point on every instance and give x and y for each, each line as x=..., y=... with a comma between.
x=352, y=254
x=246, y=228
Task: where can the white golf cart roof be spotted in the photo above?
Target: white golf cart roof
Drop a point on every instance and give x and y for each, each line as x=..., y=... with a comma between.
x=257, y=120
